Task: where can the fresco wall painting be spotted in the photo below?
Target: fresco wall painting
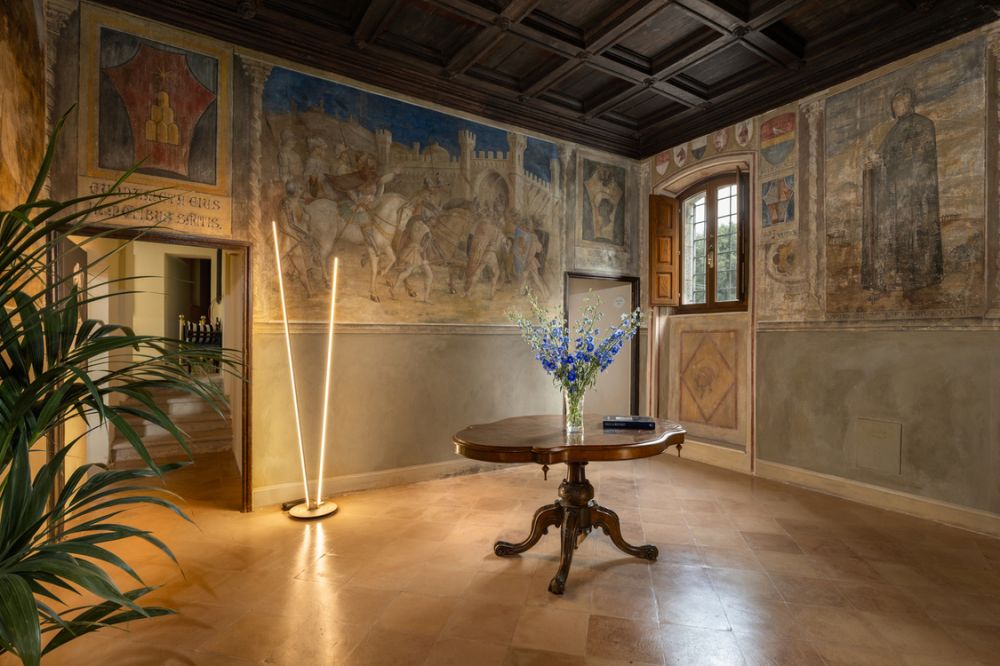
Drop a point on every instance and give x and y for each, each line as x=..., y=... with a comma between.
x=436, y=219
x=604, y=229
x=782, y=258
x=708, y=381
x=686, y=155
x=905, y=206
x=159, y=100
x=777, y=198
x=777, y=142
x=22, y=105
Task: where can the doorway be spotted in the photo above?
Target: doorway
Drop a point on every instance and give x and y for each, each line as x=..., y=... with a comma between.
x=617, y=392
x=195, y=291
x=188, y=291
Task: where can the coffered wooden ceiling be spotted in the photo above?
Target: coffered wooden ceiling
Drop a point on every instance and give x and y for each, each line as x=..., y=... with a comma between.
x=629, y=76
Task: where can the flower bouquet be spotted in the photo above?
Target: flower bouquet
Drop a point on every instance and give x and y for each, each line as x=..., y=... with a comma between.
x=574, y=357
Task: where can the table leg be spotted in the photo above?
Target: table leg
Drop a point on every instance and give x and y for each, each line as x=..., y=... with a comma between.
x=545, y=517
x=608, y=520
x=576, y=513
x=570, y=529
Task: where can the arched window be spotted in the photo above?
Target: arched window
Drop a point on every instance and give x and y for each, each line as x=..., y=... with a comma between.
x=710, y=235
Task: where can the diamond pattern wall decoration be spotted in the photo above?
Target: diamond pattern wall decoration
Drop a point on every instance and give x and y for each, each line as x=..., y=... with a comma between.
x=708, y=387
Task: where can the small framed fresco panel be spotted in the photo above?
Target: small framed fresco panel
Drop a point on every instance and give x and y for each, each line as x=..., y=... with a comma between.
x=156, y=100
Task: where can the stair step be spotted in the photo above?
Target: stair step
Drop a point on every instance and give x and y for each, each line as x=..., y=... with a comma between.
x=187, y=422
x=178, y=394
x=223, y=432
x=192, y=430
x=166, y=447
x=207, y=431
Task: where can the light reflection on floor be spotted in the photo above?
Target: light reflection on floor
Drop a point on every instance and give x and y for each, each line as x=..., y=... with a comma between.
x=749, y=572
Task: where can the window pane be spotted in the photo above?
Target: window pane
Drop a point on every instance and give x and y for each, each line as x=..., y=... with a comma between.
x=727, y=246
x=724, y=207
x=694, y=250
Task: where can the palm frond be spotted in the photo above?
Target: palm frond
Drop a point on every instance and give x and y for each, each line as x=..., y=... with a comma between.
x=54, y=542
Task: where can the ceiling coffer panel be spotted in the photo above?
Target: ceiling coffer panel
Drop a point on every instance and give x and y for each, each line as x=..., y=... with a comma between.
x=629, y=76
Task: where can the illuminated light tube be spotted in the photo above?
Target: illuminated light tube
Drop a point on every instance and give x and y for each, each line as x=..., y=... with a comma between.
x=308, y=508
x=291, y=364
x=326, y=386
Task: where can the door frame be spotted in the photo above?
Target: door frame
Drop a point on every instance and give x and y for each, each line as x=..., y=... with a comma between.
x=232, y=245
x=635, y=285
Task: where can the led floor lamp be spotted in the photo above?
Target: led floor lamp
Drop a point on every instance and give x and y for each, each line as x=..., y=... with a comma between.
x=310, y=507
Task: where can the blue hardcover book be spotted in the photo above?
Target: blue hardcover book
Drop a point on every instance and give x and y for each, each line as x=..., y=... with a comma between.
x=629, y=423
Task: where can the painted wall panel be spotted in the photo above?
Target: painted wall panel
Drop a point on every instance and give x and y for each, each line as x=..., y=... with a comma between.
x=811, y=386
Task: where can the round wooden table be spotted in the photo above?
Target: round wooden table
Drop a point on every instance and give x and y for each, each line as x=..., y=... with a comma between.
x=543, y=440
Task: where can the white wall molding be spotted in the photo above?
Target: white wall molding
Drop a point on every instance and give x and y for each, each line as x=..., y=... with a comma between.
x=883, y=498
x=264, y=496
x=276, y=327
x=713, y=454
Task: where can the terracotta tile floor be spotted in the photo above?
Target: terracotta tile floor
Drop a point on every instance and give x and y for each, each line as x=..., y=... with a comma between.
x=749, y=572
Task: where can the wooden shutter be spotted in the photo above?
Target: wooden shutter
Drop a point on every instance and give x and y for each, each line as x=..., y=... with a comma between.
x=743, y=219
x=664, y=250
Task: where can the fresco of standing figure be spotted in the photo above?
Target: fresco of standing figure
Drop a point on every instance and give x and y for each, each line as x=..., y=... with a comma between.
x=484, y=248
x=416, y=242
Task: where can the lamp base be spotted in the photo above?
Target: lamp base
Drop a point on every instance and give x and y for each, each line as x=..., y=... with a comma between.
x=306, y=512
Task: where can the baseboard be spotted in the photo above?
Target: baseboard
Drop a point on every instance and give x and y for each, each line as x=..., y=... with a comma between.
x=956, y=515
x=338, y=485
x=713, y=454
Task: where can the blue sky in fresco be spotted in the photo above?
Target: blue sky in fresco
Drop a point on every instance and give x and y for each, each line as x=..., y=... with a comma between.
x=288, y=91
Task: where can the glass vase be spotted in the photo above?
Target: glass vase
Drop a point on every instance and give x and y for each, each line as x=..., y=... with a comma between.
x=574, y=411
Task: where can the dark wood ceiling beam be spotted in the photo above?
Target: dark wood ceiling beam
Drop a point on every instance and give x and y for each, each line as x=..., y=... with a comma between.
x=302, y=34
x=777, y=51
x=576, y=57
x=689, y=54
x=666, y=88
x=623, y=120
x=628, y=57
x=487, y=39
x=550, y=78
x=628, y=16
x=561, y=30
x=612, y=100
x=773, y=13
x=469, y=10
x=666, y=66
x=782, y=48
x=374, y=21
x=916, y=5
x=842, y=59
x=564, y=101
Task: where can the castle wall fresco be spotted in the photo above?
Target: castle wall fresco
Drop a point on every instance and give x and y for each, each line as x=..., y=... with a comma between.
x=435, y=219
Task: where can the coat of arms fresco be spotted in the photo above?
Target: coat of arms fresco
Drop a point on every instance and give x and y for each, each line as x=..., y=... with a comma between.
x=157, y=100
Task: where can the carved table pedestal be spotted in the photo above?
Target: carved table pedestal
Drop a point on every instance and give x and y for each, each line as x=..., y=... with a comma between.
x=542, y=440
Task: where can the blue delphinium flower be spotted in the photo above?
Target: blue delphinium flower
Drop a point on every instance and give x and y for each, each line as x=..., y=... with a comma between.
x=548, y=334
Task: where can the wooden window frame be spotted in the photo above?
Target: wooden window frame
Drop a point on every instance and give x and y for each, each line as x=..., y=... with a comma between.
x=743, y=229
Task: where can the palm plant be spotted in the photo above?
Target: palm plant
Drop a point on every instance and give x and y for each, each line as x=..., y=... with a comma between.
x=55, y=538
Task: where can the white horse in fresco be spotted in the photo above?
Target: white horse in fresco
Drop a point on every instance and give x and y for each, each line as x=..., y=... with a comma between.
x=375, y=225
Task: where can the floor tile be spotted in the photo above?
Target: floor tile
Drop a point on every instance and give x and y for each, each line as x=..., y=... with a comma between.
x=552, y=630
x=750, y=571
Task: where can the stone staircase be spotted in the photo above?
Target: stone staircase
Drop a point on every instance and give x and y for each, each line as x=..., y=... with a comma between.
x=207, y=431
